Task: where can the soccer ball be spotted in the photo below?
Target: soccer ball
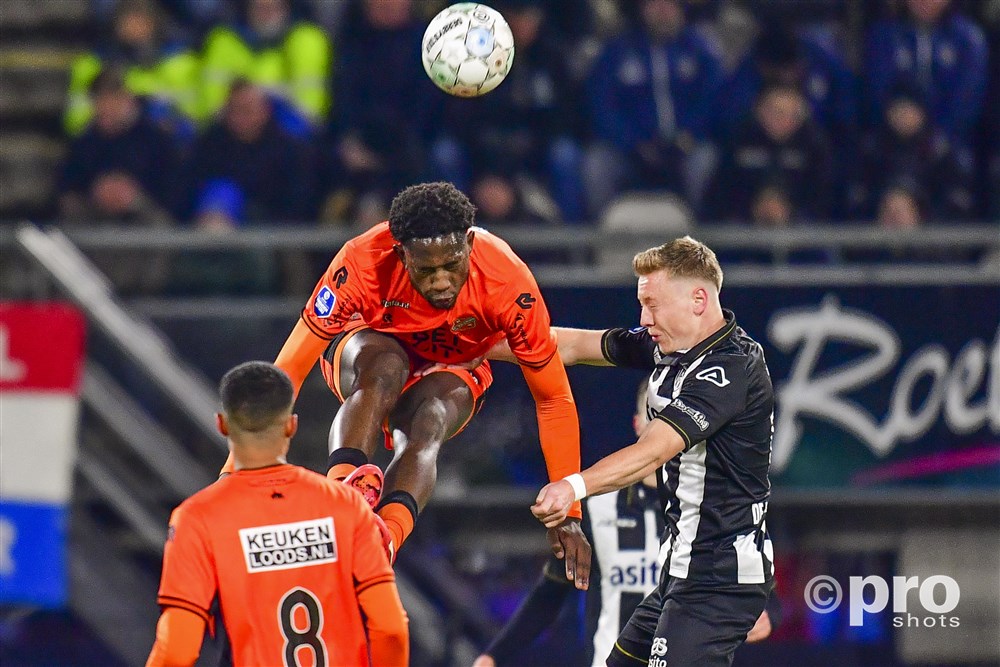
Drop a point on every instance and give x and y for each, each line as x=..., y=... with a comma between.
x=468, y=49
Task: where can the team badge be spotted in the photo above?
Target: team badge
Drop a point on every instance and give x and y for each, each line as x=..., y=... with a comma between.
x=463, y=323
x=324, y=303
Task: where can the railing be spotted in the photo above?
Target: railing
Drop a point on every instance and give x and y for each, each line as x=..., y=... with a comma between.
x=580, y=250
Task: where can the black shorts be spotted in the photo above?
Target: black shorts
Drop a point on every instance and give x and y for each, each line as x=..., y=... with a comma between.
x=689, y=623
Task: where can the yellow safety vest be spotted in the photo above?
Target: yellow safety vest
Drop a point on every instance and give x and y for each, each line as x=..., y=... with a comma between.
x=298, y=68
x=174, y=79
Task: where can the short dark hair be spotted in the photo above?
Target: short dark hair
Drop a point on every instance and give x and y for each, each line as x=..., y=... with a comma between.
x=255, y=394
x=429, y=210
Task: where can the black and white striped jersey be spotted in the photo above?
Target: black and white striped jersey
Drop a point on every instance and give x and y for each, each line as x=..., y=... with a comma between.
x=624, y=528
x=718, y=397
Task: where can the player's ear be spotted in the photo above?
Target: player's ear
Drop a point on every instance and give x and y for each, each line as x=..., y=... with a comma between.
x=469, y=236
x=291, y=425
x=699, y=299
x=400, y=252
x=221, y=425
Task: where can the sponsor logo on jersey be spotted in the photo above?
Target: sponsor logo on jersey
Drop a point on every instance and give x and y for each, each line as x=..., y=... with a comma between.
x=659, y=646
x=525, y=300
x=390, y=303
x=324, y=303
x=340, y=276
x=697, y=417
x=463, y=323
x=640, y=576
x=714, y=374
x=288, y=545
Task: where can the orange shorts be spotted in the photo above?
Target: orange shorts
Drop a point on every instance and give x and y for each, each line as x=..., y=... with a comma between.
x=477, y=380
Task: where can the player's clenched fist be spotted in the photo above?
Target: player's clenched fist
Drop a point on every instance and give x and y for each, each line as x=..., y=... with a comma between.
x=553, y=503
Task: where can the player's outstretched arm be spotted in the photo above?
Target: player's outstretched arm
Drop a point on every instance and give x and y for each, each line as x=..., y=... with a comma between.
x=581, y=346
x=559, y=434
x=576, y=346
x=657, y=444
x=179, y=634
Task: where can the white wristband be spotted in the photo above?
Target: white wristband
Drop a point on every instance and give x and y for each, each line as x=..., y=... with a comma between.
x=579, y=486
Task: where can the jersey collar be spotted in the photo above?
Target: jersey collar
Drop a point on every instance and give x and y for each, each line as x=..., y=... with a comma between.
x=726, y=330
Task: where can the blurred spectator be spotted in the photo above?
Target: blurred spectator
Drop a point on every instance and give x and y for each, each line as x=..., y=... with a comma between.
x=377, y=141
x=899, y=207
x=944, y=53
x=500, y=200
x=290, y=58
x=907, y=148
x=780, y=55
x=122, y=170
x=651, y=93
x=124, y=167
x=776, y=168
x=162, y=69
x=528, y=126
x=251, y=165
x=193, y=16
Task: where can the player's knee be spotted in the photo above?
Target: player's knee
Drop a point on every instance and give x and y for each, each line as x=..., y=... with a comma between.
x=385, y=374
x=430, y=421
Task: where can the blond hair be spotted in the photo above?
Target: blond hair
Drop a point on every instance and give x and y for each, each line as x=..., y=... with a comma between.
x=682, y=258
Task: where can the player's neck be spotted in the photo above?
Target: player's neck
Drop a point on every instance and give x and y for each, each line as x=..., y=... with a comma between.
x=712, y=321
x=243, y=460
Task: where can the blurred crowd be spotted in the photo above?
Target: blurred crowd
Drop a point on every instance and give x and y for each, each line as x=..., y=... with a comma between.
x=227, y=113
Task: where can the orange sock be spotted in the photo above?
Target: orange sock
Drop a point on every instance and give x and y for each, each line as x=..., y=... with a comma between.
x=340, y=470
x=398, y=520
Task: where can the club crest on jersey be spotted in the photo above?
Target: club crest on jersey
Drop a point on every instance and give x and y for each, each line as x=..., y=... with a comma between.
x=463, y=323
x=714, y=374
x=289, y=545
x=324, y=303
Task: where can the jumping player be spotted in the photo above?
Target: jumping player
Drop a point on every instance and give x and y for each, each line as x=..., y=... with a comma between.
x=297, y=563
x=711, y=404
x=399, y=304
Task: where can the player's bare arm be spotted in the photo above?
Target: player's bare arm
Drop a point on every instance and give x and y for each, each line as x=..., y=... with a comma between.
x=576, y=346
x=657, y=444
x=580, y=346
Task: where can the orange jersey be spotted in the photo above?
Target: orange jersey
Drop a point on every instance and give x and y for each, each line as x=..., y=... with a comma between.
x=287, y=553
x=367, y=281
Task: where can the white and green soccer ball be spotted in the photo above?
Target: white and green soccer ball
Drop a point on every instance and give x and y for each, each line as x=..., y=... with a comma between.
x=467, y=49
